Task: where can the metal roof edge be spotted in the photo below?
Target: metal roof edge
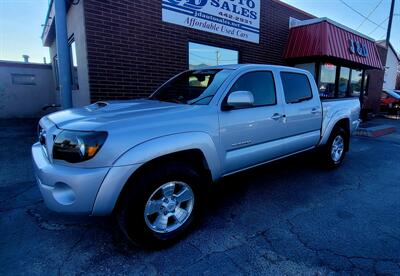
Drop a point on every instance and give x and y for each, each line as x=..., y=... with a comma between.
x=47, y=18
x=337, y=24
x=13, y=63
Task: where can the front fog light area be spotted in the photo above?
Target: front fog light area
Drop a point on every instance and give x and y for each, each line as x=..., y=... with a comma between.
x=78, y=146
x=63, y=194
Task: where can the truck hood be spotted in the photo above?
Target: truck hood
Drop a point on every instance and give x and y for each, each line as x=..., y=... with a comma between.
x=100, y=114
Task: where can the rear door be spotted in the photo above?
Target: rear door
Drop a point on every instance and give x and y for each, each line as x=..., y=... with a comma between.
x=303, y=111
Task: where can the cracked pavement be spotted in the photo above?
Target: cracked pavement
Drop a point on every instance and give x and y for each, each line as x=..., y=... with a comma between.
x=290, y=217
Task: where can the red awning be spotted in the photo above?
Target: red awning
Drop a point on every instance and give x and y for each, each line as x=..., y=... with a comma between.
x=327, y=39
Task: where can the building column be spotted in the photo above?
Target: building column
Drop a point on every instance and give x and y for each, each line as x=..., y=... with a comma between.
x=63, y=54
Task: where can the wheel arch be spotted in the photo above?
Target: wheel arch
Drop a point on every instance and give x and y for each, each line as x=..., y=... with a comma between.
x=344, y=123
x=190, y=156
x=196, y=148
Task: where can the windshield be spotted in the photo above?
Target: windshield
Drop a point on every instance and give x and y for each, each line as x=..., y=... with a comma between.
x=192, y=87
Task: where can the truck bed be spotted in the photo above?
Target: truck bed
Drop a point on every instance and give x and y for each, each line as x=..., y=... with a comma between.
x=334, y=109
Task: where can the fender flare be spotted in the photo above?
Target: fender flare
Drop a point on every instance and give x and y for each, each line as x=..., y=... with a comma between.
x=131, y=160
x=331, y=124
x=164, y=145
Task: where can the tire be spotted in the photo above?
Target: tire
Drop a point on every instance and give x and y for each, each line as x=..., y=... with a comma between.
x=335, y=149
x=160, y=205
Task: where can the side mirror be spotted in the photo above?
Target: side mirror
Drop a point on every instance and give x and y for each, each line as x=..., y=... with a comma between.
x=240, y=99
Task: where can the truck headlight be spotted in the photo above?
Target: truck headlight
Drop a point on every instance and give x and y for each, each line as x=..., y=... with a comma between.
x=78, y=146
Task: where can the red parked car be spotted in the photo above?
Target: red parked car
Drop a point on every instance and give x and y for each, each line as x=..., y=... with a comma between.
x=390, y=101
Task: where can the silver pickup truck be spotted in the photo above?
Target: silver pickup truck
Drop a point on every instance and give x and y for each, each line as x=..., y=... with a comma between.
x=149, y=161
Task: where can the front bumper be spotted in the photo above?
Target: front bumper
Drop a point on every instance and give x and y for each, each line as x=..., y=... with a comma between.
x=66, y=189
x=74, y=190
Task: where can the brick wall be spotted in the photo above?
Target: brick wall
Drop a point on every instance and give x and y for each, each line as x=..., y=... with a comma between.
x=376, y=77
x=131, y=51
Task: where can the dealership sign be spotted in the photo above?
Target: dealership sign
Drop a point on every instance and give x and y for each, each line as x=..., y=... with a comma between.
x=234, y=18
x=358, y=48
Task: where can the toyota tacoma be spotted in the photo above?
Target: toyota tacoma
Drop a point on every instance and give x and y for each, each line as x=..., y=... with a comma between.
x=150, y=161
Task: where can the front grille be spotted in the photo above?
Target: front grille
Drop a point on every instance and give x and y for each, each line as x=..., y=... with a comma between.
x=42, y=138
x=39, y=129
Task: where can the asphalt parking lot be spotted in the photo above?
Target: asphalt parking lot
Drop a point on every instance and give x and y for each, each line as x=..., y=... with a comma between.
x=288, y=218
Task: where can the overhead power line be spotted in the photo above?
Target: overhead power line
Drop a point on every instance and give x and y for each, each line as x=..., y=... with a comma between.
x=371, y=12
x=202, y=57
x=210, y=58
x=380, y=25
x=360, y=14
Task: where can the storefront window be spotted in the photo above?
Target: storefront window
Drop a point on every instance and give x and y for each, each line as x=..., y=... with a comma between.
x=356, y=81
x=327, y=80
x=74, y=65
x=310, y=67
x=201, y=55
x=343, y=82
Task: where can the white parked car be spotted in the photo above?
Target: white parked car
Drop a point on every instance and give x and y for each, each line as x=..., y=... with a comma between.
x=150, y=160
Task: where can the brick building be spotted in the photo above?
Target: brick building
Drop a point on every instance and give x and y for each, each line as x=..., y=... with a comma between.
x=125, y=49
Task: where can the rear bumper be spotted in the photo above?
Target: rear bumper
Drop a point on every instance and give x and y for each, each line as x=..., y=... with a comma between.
x=79, y=190
x=354, y=126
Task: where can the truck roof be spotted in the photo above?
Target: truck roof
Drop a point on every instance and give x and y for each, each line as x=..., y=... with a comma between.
x=249, y=66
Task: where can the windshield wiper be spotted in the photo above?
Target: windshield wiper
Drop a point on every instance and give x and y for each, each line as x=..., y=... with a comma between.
x=170, y=100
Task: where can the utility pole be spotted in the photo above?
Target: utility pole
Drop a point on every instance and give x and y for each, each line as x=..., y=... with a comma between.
x=217, y=52
x=389, y=29
x=64, y=62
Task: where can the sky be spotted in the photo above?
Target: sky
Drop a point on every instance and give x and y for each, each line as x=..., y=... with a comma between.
x=20, y=29
x=21, y=22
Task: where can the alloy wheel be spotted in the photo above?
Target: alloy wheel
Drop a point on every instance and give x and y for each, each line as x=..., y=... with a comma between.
x=337, y=148
x=169, y=207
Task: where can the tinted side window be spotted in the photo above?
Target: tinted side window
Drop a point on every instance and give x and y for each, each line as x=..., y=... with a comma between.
x=261, y=84
x=296, y=87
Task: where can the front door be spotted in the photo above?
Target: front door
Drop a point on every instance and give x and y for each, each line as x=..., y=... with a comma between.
x=250, y=136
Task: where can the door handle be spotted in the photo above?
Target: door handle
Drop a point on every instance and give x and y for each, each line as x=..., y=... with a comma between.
x=315, y=110
x=277, y=116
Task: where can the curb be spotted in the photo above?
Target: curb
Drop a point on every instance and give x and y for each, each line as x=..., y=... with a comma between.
x=375, y=131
